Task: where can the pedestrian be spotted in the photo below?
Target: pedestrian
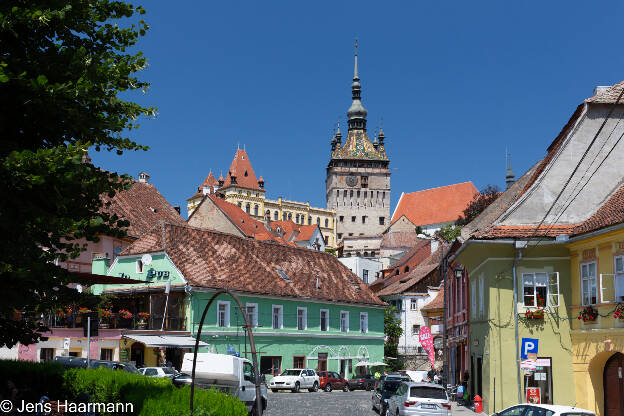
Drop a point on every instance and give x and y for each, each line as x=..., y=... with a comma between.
x=377, y=374
x=436, y=377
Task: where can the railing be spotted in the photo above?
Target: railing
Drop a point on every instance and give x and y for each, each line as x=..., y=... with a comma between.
x=410, y=350
x=76, y=320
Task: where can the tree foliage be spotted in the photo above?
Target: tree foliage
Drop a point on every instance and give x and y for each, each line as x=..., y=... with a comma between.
x=479, y=202
x=393, y=331
x=449, y=232
x=62, y=67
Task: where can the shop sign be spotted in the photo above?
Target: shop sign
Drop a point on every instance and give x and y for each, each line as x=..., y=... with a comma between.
x=529, y=365
x=543, y=362
x=533, y=395
x=529, y=345
x=157, y=274
x=123, y=354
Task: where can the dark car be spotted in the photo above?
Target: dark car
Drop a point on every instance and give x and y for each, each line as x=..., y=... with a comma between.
x=365, y=382
x=383, y=390
x=330, y=380
x=392, y=376
x=79, y=362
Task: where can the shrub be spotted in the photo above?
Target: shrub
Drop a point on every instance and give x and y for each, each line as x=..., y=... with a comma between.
x=32, y=380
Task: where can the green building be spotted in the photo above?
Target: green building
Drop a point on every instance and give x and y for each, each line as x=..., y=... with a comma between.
x=305, y=307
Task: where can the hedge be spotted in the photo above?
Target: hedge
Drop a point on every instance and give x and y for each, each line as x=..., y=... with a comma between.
x=149, y=396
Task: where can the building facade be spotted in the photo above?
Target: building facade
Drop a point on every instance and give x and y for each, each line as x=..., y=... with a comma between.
x=367, y=269
x=358, y=175
x=241, y=187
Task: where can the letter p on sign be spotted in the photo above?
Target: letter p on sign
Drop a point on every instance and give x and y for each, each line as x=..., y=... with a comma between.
x=529, y=345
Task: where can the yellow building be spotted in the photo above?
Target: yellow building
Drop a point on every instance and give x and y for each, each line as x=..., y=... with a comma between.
x=241, y=187
x=597, y=273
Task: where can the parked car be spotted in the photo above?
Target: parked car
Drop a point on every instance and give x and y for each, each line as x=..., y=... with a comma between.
x=181, y=379
x=79, y=362
x=419, y=399
x=295, y=380
x=543, y=410
x=330, y=380
x=417, y=376
x=161, y=372
x=382, y=392
x=363, y=382
x=393, y=376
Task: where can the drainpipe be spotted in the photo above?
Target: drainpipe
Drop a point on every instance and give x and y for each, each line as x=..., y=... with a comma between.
x=517, y=257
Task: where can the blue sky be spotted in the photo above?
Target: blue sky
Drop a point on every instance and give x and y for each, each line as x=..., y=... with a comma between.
x=455, y=82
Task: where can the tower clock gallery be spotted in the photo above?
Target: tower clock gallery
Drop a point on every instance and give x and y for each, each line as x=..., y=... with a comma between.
x=358, y=175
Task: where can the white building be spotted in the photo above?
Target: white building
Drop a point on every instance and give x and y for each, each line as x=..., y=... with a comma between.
x=366, y=269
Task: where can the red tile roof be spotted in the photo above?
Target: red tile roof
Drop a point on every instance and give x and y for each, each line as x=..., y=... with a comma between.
x=436, y=303
x=436, y=205
x=294, y=232
x=242, y=170
x=143, y=206
x=210, y=182
x=217, y=260
x=608, y=96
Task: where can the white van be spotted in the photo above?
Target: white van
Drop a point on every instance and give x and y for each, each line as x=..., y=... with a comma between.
x=233, y=375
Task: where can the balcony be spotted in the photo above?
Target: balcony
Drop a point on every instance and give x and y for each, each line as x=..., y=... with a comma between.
x=116, y=321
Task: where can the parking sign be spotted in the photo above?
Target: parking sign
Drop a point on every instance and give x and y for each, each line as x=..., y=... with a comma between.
x=529, y=345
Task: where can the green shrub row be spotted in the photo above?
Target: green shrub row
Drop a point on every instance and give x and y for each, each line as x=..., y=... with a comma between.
x=149, y=396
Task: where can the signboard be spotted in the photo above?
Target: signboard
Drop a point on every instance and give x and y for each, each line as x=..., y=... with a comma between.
x=123, y=354
x=426, y=340
x=66, y=342
x=157, y=274
x=533, y=395
x=529, y=365
x=528, y=345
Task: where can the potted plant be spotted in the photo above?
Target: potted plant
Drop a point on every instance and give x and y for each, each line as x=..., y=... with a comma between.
x=142, y=324
x=588, y=314
x=539, y=312
x=105, y=317
x=618, y=313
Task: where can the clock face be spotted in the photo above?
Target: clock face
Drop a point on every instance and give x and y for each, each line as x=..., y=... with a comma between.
x=351, y=180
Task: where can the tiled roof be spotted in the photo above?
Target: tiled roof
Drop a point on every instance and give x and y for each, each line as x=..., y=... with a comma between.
x=399, y=239
x=415, y=254
x=436, y=303
x=403, y=281
x=358, y=146
x=608, y=96
x=143, y=206
x=211, y=259
x=436, y=205
x=294, y=232
x=242, y=170
x=610, y=213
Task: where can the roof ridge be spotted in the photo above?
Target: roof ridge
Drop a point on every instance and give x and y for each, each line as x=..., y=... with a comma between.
x=440, y=187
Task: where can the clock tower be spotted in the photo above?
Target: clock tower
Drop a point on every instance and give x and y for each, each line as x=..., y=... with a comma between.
x=358, y=175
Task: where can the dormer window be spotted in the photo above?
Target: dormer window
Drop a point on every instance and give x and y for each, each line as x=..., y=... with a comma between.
x=245, y=173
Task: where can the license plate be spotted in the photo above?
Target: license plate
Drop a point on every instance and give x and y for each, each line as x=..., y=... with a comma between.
x=428, y=406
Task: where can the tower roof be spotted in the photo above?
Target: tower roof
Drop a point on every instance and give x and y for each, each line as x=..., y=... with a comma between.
x=356, y=113
x=509, y=175
x=243, y=172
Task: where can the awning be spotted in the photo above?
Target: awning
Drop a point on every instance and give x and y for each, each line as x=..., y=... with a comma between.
x=171, y=341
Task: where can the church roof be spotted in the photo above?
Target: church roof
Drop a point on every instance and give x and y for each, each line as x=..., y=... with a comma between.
x=242, y=170
x=359, y=146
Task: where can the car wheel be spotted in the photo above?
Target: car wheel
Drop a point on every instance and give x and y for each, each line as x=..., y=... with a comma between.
x=314, y=387
x=328, y=387
x=274, y=390
x=296, y=389
x=368, y=387
x=345, y=388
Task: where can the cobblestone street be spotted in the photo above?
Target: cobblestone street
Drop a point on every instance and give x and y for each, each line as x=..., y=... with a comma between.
x=336, y=403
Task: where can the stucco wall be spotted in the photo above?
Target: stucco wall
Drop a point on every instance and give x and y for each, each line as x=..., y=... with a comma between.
x=358, y=264
x=207, y=215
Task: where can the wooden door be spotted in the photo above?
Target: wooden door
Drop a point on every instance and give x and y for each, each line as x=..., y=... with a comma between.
x=614, y=385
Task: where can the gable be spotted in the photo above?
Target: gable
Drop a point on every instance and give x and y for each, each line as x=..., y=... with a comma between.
x=209, y=215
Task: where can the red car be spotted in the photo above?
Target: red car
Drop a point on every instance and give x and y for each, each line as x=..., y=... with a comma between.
x=330, y=380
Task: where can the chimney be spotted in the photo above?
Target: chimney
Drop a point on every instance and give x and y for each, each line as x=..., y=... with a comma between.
x=600, y=89
x=177, y=208
x=144, y=177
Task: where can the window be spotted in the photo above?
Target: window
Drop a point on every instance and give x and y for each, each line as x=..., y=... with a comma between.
x=298, y=361
x=223, y=313
x=240, y=205
x=339, y=235
x=341, y=218
x=46, y=354
x=284, y=216
x=473, y=298
x=365, y=275
x=363, y=322
x=363, y=219
x=290, y=216
x=351, y=194
x=482, y=296
x=276, y=216
x=302, y=318
x=326, y=240
x=514, y=411
x=414, y=304
x=588, y=283
x=344, y=321
x=297, y=218
x=256, y=210
x=248, y=208
x=540, y=289
x=252, y=314
x=106, y=354
x=150, y=372
x=381, y=220
x=353, y=218
x=364, y=182
x=326, y=222
x=322, y=361
x=139, y=266
x=278, y=317
x=309, y=219
x=324, y=320
x=415, y=329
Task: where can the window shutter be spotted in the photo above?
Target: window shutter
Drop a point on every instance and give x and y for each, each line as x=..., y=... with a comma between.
x=553, y=289
x=603, y=298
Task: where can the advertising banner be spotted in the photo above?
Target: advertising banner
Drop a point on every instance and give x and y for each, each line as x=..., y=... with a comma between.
x=533, y=395
x=426, y=340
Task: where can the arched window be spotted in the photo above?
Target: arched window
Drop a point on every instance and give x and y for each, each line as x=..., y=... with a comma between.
x=326, y=222
x=256, y=210
x=309, y=219
x=248, y=208
x=366, y=254
x=297, y=218
x=276, y=216
x=318, y=221
x=240, y=205
x=284, y=216
x=290, y=216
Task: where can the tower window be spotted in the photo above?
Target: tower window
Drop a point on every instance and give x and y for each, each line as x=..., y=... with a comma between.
x=382, y=220
x=358, y=194
x=337, y=193
x=284, y=216
x=256, y=210
x=245, y=173
x=326, y=222
x=276, y=216
x=341, y=218
x=309, y=219
x=351, y=193
x=364, y=181
x=240, y=205
x=363, y=219
x=339, y=235
x=353, y=218
x=248, y=208
x=344, y=193
x=290, y=216
x=297, y=218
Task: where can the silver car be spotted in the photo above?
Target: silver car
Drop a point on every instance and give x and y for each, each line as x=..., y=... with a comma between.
x=419, y=399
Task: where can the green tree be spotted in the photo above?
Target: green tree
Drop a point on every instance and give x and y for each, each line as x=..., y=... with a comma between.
x=479, y=202
x=449, y=232
x=393, y=331
x=63, y=64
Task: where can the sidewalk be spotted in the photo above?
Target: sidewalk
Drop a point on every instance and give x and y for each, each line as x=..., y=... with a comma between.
x=464, y=411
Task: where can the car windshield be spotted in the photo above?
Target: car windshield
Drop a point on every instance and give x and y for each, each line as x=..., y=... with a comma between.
x=168, y=370
x=425, y=392
x=391, y=386
x=291, y=373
